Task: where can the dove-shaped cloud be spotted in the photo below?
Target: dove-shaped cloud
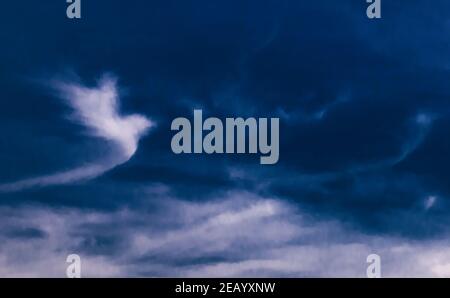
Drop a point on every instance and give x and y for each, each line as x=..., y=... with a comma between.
x=98, y=110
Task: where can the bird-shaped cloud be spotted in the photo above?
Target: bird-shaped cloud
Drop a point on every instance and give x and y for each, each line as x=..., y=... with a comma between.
x=97, y=109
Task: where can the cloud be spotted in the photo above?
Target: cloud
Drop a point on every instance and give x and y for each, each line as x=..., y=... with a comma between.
x=237, y=235
x=429, y=202
x=420, y=129
x=97, y=109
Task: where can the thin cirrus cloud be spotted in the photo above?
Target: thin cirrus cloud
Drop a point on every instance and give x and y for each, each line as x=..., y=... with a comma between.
x=421, y=127
x=97, y=109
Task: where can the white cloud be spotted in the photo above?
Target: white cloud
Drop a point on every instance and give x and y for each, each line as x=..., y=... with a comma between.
x=98, y=110
x=238, y=235
x=429, y=202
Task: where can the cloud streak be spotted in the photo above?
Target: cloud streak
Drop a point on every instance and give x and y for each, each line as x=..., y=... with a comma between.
x=97, y=109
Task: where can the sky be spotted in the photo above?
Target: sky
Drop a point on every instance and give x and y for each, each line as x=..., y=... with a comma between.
x=86, y=107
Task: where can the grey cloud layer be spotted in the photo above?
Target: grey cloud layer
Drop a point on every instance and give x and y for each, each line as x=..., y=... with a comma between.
x=239, y=234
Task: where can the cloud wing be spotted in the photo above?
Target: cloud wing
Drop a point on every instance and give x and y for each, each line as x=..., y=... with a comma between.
x=98, y=110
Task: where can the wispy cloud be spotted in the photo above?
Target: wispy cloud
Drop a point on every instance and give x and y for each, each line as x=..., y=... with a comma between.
x=237, y=235
x=97, y=109
x=429, y=202
x=420, y=128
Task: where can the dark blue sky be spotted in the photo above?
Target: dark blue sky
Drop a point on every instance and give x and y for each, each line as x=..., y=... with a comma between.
x=364, y=118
